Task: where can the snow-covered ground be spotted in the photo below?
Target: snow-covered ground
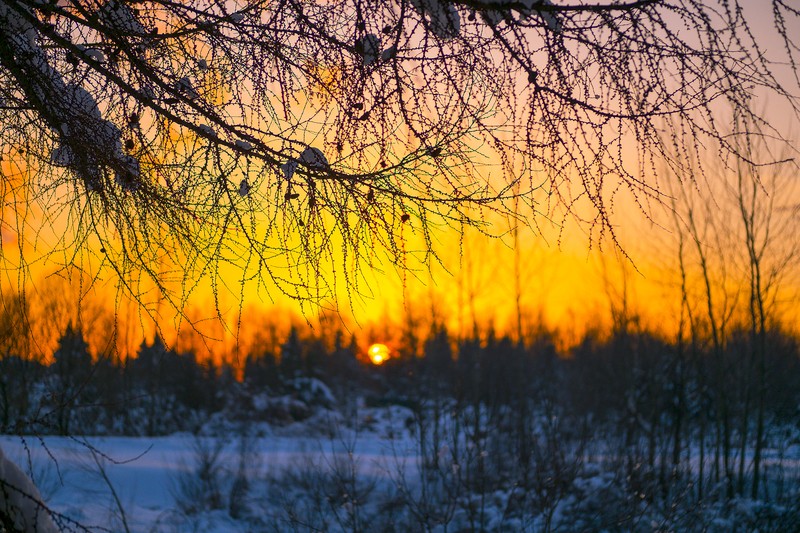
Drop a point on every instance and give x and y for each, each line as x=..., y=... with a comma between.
x=110, y=483
x=369, y=472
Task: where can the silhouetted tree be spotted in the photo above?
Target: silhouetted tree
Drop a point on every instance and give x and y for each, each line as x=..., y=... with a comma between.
x=261, y=372
x=291, y=363
x=437, y=363
x=342, y=363
x=468, y=372
x=163, y=129
x=72, y=368
x=168, y=385
x=19, y=379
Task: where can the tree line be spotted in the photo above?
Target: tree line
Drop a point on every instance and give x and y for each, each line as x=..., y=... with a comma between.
x=679, y=407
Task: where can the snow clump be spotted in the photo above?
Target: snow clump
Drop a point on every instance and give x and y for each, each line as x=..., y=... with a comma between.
x=118, y=16
x=244, y=188
x=312, y=158
x=368, y=47
x=208, y=130
x=443, y=18
x=243, y=145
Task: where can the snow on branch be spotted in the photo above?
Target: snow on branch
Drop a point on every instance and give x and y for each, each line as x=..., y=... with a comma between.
x=20, y=501
x=86, y=141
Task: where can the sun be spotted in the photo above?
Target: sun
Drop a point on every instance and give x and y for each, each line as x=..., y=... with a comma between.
x=378, y=354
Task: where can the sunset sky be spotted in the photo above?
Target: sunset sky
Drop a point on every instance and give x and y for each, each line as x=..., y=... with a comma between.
x=565, y=273
x=569, y=286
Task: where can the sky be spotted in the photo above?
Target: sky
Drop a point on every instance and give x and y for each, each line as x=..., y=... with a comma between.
x=561, y=278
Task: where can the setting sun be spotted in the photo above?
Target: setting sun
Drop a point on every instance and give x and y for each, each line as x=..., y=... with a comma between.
x=378, y=354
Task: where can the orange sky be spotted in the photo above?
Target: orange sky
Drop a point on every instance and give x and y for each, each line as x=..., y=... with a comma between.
x=570, y=284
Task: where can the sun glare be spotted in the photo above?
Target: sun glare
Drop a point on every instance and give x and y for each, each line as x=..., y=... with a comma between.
x=378, y=354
